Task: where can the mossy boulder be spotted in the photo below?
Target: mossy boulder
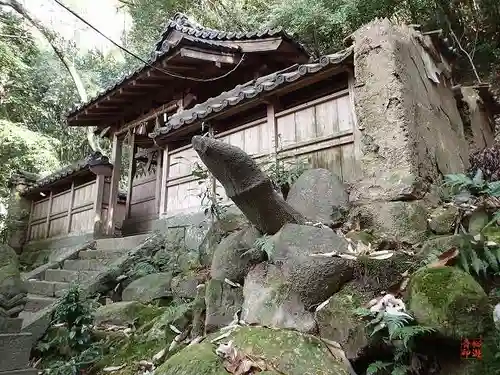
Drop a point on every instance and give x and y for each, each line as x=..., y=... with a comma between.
x=287, y=352
x=222, y=302
x=230, y=222
x=175, y=256
x=450, y=301
x=184, y=285
x=126, y=313
x=11, y=284
x=232, y=258
x=178, y=314
x=442, y=219
x=337, y=321
x=312, y=278
x=269, y=301
x=148, y=288
x=402, y=221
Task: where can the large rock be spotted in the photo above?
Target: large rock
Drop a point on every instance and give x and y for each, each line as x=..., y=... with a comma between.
x=218, y=230
x=442, y=219
x=337, y=322
x=175, y=256
x=222, y=302
x=319, y=195
x=446, y=299
x=184, y=285
x=148, y=288
x=12, y=289
x=269, y=301
x=285, y=351
x=400, y=221
x=232, y=258
x=126, y=313
x=314, y=279
x=246, y=185
x=433, y=247
x=177, y=314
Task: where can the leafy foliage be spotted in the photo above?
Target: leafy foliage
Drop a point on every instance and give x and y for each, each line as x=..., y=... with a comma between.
x=265, y=244
x=72, y=320
x=398, y=330
x=476, y=185
x=285, y=173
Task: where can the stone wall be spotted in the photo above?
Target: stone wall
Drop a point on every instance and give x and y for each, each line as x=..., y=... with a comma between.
x=411, y=128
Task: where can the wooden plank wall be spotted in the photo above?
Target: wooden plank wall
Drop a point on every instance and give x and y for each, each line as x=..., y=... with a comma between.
x=320, y=131
x=71, y=211
x=143, y=199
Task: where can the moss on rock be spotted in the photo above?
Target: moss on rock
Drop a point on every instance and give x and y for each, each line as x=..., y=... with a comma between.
x=450, y=301
x=126, y=313
x=289, y=352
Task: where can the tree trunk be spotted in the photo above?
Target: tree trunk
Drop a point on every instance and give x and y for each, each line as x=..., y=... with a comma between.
x=52, y=39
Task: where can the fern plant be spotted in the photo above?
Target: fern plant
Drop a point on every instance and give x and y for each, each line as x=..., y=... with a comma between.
x=398, y=330
x=476, y=186
x=265, y=245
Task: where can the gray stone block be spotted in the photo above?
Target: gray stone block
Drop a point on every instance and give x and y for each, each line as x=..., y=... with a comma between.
x=15, y=349
x=45, y=288
x=36, y=302
x=28, y=371
x=121, y=243
x=11, y=325
x=101, y=254
x=67, y=276
x=85, y=265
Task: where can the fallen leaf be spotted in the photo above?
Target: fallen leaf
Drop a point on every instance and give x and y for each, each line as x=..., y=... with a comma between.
x=322, y=305
x=348, y=256
x=159, y=356
x=223, y=336
x=174, y=329
x=325, y=255
x=236, y=285
x=381, y=255
x=113, y=368
x=236, y=362
x=445, y=258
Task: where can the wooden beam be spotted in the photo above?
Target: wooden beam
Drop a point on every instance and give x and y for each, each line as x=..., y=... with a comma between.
x=70, y=207
x=98, y=199
x=158, y=180
x=131, y=173
x=48, y=216
x=272, y=124
x=116, y=157
x=30, y=219
x=165, y=166
x=207, y=55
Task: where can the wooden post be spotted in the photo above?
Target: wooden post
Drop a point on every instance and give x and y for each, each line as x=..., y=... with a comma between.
x=98, y=199
x=70, y=208
x=116, y=157
x=159, y=177
x=30, y=219
x=47, y=227
x=273, y=125
x=131, y=173
x=164, y=180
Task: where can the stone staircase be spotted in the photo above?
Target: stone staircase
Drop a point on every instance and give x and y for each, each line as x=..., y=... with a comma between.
x=53, y=283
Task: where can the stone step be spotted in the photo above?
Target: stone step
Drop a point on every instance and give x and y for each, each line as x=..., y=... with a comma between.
x=37, y=302
x=47, y=288
x=28, y=371
x=67, y=276
x=86, y=264
x=101, y=254
x=121, y=243
x=15, y=349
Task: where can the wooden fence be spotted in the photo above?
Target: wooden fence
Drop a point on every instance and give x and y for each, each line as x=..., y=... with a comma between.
x=72, y=211
x=320, y=131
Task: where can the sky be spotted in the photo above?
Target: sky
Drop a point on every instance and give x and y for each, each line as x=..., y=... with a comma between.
x=103, y=14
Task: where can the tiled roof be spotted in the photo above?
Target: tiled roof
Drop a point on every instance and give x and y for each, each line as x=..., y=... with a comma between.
x=250, y=90
x=182, y=23
x=194, y=34
x=67, y=171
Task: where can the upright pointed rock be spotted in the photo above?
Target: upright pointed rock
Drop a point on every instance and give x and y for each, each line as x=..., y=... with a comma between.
x=246, y=185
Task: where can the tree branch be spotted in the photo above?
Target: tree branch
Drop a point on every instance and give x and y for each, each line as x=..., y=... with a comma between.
x=51, y=37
